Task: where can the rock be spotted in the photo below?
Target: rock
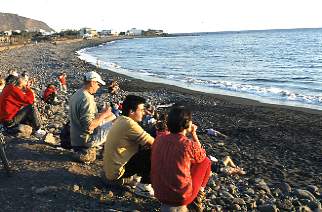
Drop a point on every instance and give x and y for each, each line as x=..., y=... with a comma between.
x=50, y=139
x=304, y=194
x=236, y=207
x=268, y=208
x=24, y=131
x=313, y=189
x=285, y=188
x=304, y=209
x=227, y=195
x=75, y=188
x=46, y=189
x=239, y=201
x=261, y=185
x=250, y=191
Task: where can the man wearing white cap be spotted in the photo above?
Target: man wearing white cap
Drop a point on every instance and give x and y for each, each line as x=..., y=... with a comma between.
x=88, y=128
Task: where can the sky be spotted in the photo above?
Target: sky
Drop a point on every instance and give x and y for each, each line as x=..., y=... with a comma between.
x=172, y=16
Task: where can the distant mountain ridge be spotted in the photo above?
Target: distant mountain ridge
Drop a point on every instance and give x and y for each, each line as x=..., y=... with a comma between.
x=10, y=21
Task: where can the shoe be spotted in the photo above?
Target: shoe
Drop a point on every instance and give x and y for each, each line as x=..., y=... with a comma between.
x=144, y=190
x=40, y=133
x=124, y=182
x=87, y=156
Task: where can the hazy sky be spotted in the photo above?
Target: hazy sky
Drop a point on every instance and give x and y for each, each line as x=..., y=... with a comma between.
x=170, y=15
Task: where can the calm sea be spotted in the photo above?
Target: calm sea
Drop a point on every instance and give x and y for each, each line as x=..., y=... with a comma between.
x=276, y=66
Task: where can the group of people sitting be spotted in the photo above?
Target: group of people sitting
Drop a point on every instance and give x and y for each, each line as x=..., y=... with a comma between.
x=167, y=163
x=173, y=167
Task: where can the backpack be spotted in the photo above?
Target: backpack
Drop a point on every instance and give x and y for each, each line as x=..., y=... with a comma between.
x=65, y=137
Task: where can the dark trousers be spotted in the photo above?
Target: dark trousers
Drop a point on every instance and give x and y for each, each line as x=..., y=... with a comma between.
x=27, y=115
x=139, y=164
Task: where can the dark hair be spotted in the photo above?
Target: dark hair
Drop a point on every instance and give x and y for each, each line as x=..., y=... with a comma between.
x=161, y=124
x=131, y=103
x=11, y=79
x=178, y=119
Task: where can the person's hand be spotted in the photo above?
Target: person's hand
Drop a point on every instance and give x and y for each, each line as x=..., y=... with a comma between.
x=107, y=112
x=193, y=129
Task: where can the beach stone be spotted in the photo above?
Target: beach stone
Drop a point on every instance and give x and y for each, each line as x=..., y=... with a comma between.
x=75, y=188
x=250, y=191
x=304, y=209
x=46, y=189
x=268, y=208
x=311, y=204
x=227, y=195
x=285, y=188
x=261, y=185
x=24, y=131
x=239, y=201
x=50, y=139
x=304, y=194
x=236, y=207
x=313, y=189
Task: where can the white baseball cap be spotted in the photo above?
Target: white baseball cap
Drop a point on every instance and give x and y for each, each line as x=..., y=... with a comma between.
x=93, y=76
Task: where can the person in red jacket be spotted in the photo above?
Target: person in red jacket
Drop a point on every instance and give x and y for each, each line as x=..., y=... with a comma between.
x=62, y=81
x=50, y=93
x=180, y=168
x=17, y=106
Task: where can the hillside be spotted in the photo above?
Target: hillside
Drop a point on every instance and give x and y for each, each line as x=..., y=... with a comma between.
x=10, y=21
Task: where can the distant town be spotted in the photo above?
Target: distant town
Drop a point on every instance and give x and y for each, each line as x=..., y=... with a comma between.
x=13, y=37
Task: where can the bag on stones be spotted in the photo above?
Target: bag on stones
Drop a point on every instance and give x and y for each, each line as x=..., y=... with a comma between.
x=65, y=137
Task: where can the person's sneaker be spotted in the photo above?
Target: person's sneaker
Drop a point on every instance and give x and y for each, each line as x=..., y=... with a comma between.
x=144, y=190
x=40, y=133
x=131, y=182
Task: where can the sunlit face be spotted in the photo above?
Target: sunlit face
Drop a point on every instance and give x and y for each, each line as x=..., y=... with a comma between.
x=138, y=114
x=95, y=86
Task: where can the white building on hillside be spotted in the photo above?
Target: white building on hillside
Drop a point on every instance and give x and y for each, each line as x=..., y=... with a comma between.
x=134, y=32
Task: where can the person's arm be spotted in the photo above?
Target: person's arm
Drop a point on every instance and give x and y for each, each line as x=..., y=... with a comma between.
x=106, y=115
x=26, y=97
x=193, y=132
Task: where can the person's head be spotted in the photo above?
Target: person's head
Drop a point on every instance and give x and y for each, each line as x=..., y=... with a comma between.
x=92, y=81
x=133, y=107
x=21, y=82
x=179, y=119
x=51, y=85
x=25, y=75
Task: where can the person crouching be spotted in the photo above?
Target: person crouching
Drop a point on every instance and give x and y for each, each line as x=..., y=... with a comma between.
x=17, y=107
x=180, y=168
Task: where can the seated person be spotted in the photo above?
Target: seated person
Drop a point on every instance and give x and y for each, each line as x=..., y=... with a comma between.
x=160, y=126
x=113, y=88
x=88, y=128
x=180, y=168
x=127, y=148
x=17, y=107
x=50, y=94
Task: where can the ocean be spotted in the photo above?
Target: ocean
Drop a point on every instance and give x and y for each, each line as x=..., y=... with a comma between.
x=273, y=66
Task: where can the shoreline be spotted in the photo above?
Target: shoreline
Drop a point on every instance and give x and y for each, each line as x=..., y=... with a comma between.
x=277, y=146
x=235, y=97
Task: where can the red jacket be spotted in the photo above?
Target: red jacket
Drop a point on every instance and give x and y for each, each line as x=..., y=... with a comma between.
x=48, y=92
x=12, y=99
x=171, y=160
x=62, y=79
